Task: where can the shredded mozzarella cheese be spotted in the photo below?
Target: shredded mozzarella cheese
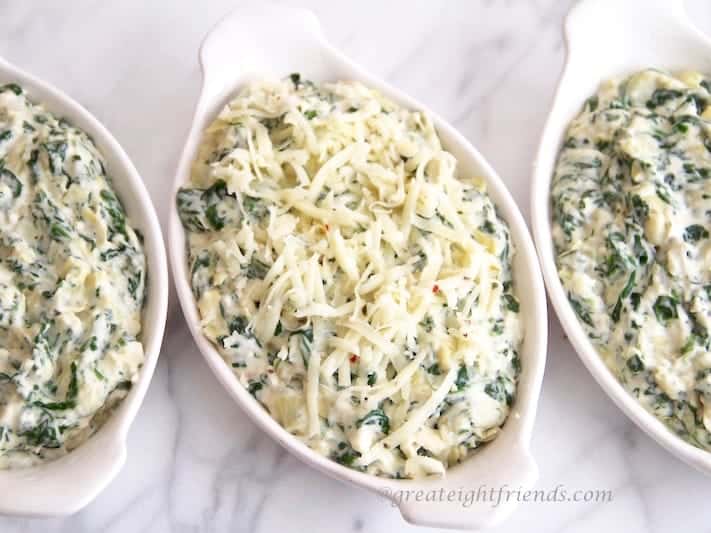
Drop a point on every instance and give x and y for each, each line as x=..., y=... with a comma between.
x=369, y=295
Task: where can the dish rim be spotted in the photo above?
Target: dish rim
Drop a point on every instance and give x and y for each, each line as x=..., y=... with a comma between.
x=666, y=11
x=208, y=105
x=64, y=486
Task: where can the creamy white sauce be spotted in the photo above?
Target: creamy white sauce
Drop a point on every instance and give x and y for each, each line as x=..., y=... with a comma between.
x=72, y=282
x=358, y=286
x=631, y=202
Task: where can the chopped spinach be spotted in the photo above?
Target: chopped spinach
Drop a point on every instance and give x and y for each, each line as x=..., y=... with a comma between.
x=623, y=295
x=511, y=303
x=695, y=233
x=12, y=87
x=581, y=311
x=376, y=417
x=662, y=96
x=498, y=390
x=462, y=378
x=346, y=455
x=635, y=364
x=256, y=269
x=11, y=181
x=665, y=308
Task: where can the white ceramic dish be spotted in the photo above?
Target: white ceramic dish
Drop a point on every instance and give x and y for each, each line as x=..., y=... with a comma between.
x=276, y=41
x=64, y=486
x=605, y=39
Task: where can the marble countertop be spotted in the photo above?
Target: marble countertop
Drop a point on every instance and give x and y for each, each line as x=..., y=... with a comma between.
x=195, y=462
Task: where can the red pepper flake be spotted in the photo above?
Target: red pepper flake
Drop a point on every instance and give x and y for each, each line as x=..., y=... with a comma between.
x=327, y=227
x=353, y=358
x=435, y=289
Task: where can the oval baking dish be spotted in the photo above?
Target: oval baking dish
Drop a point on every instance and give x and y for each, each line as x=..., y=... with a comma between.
x=67, y=484
x=638, y=34
x=237, y=51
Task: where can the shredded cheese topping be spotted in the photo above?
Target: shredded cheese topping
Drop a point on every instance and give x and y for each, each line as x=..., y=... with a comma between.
x=360, y=289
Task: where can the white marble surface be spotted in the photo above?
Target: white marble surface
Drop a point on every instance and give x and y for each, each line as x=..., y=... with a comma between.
x=195, y=462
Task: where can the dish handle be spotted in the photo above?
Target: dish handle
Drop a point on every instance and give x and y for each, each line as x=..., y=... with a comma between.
x=65, y=486
x=237, y=46
x=471, y=499
x=590, y=20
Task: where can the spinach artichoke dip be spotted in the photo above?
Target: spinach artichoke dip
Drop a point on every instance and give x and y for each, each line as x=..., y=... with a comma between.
x=72, y=280
x=631, y=202
x=359, y=288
